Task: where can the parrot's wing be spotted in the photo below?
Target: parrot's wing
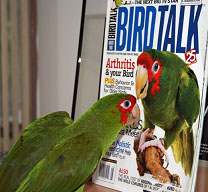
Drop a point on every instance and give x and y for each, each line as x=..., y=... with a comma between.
x=66, y=168
x=188, y=98
x=188, y=103
x=35, y=142
x=183, y=150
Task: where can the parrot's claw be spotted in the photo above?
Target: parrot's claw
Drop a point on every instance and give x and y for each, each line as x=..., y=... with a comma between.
x=147, y=134
x=166, y=166
x=157, y=143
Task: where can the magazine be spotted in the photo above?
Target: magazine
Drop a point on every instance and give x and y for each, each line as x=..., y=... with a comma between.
x=157, y=51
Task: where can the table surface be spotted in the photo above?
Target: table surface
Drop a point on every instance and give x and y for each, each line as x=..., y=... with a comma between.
x=90, y=187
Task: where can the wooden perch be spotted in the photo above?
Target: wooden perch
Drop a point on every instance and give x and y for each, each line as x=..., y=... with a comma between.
x=151, y=161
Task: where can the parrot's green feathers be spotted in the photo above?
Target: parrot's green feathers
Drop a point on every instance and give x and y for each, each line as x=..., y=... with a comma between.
x=188, y=105
x=183, y=150
x=35, y=142
x=61, y=171
x=188, y=99
x=58, y=155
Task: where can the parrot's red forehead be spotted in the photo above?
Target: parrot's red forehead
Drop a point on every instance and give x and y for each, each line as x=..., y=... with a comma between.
x=126, y=111
x=145, y=59
x=147, y=62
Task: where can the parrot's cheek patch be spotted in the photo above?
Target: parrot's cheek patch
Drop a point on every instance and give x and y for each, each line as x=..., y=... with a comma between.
x=125, y=107
x=124, y=119
x=155, y=87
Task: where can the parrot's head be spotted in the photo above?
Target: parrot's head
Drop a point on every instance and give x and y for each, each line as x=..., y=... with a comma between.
x=149, y=70
x=106, y=118
x=120, y=109
x=129, y=109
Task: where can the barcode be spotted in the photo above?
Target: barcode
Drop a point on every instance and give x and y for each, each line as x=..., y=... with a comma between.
x=106, y=171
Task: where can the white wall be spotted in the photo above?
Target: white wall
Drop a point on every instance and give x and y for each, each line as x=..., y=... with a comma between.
x=58, y=37
x=91, y=55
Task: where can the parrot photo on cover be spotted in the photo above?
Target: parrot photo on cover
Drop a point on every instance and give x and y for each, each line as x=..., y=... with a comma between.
x=170, y=97
x=74, y=151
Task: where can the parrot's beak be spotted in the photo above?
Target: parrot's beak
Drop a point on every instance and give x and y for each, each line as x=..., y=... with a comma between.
x=134, y=116
x=141, y=82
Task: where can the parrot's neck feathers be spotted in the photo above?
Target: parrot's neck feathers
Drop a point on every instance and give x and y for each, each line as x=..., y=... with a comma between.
x=104, y=130
x=104, y=120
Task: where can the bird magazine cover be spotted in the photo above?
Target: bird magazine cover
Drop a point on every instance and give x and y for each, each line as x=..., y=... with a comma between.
x=157, y=51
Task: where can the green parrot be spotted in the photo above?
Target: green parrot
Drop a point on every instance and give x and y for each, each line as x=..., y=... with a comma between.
x=35, y=142
x=170, y=97
x=71, y=162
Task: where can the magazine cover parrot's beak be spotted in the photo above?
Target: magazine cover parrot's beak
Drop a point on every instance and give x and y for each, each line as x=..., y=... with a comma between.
x=141, y=82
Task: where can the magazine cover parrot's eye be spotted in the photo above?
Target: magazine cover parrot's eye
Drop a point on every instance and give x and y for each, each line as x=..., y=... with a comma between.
x=155, y=67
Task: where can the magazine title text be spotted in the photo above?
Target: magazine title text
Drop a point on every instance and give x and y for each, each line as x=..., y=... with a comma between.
x=133, y=28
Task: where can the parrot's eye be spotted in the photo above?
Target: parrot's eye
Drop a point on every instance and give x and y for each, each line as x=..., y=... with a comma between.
x=155, y=67
x=126, y=104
